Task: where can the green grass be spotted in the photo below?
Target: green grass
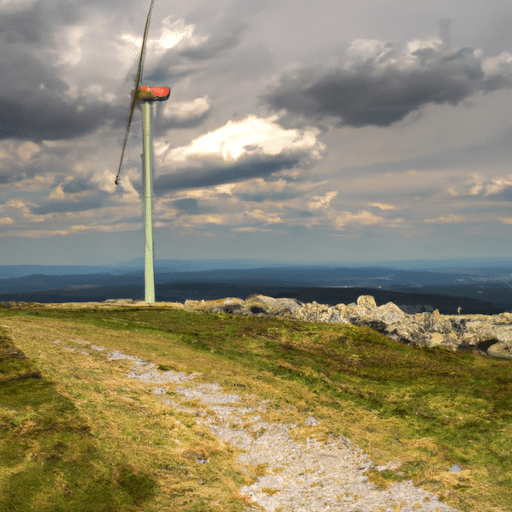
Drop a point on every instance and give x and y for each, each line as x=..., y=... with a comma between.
x=429, y=408
x=48, y=458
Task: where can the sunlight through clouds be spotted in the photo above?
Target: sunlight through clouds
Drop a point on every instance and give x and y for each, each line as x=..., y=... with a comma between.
x=319, y=202
x=478, y=185
x=238, y=151
x=383, y=206
x=337, y=128
x=183, y=113
x=172, y=33
x=267, y=218
x=251, y=136
x=364, y=218
x=497, y=185
x=27, y=150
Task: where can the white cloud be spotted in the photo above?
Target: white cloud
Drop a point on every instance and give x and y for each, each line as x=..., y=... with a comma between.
x=104, y=180
x=252, y=135
x=268, y=218
x=475, y=189
x=27, y=150
x=498, y=65
x=130, y=194
x=202, y=220
x=380, y=83
x=383, y=206
x=14, y=203
x=423, y=44
x=185, y=110
x=322, y=202
x=172, y=33
x=225, y=189
x=364, y=218
x=388, y=53
x=20, y=211
x=71, y=51
x=496, y=186
x=58, y=193
x=447, y=219
x=363, y=49
x=479, y=185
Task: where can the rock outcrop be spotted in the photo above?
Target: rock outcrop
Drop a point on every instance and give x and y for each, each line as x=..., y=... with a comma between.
x=489, y=334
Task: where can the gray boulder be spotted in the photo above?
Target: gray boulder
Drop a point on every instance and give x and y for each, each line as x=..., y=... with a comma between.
x=490, y=334
x=268, y=306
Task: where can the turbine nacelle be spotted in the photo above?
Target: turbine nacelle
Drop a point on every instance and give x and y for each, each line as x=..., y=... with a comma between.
x=146, y=93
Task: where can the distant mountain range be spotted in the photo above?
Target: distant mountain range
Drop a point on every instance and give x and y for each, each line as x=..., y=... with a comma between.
x=135, y=265
x=477, y=286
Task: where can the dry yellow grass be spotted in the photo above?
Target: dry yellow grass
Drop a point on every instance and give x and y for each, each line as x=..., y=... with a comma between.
x=128, y=421
x=131, y=423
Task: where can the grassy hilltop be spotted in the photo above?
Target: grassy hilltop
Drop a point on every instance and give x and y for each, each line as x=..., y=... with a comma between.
x=76, y=434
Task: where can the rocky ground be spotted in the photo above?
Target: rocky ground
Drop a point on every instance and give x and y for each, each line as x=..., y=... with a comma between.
x=299, y=476
x=489, y=334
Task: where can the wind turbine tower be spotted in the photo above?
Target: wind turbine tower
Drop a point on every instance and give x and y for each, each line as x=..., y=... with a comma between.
x=144, y=97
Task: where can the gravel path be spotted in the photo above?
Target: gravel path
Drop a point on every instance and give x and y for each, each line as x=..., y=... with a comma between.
x=311, y=476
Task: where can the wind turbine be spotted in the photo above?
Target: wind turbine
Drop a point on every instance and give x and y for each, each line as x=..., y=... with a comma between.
x=145, y=96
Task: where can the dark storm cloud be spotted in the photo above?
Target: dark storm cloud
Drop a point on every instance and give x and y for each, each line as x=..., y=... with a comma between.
x=383, y=90
x=169, y=69
x=39, y=70
x=36, y=23
x=506, y=194
x=162, y=123
x=190, y=122
x=51, y=118
x=503, y=195
x=227, y=36
x=76, y=186
x=188, y=205
x=305, y=214
x=207, y=176
x=183, y=59
x=33, y=95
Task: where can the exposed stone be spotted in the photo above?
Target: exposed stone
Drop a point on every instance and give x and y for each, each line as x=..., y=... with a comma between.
x=260, y=304
x=228, y=305
x=502, y=350
x=366, y=300
x=490, y=334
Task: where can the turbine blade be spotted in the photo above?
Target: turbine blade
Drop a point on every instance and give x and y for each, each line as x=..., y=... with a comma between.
x=143, y=48
x=125, y=141
x=138, y=78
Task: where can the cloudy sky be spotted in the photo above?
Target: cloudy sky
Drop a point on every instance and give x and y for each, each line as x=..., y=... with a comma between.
x=321, y=131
